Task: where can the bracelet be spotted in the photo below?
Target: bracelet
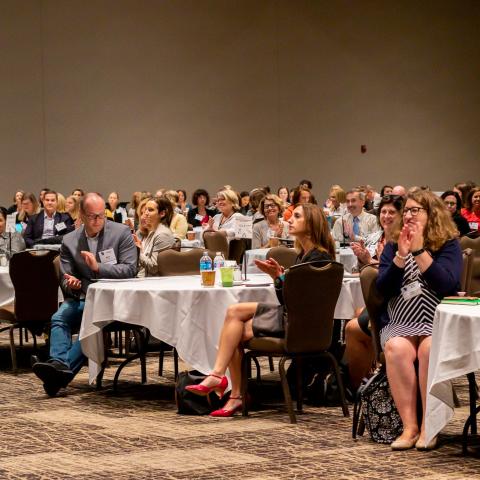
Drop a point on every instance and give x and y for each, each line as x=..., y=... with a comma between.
x=416, y=253
x=400, y=256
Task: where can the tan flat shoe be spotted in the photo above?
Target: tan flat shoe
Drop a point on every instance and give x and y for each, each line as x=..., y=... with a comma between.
x=420, y=445
x=404, y=443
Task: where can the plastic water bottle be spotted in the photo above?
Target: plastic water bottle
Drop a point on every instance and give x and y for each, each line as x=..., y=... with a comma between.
x=218, y=262
x=205, y=262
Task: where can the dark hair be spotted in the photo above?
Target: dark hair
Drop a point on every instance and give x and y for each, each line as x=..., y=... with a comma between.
x=382, y=191
x=454, y=194
x=184, y=193
x=244, y=193
x=3, y=213
x=308, y=183
x=396, y=200
x=471, y=193
x=78, y=190
x=51, y=192
x=197, y=193
x=280, y=188
x=165, y=205
x=256, y=196
x=266, y=189
x=297, y=193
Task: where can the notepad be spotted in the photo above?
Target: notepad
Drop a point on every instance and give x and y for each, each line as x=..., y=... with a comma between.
x=461, y=300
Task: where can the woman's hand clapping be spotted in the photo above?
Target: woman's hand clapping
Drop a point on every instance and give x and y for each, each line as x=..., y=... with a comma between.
x=270, y=267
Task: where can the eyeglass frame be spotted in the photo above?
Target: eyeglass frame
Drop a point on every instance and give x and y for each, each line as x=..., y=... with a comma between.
x=411, y=210
x=95, y=216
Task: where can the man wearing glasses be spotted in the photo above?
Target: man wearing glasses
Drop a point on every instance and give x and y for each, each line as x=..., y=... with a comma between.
x=98, y=249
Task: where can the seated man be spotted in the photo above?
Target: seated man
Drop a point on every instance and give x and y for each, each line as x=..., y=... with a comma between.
x=48, y=226
x=97, y=249
x=357, y=223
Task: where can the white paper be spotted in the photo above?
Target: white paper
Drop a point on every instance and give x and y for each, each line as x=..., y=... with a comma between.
x=243, y=227
x=10, y=226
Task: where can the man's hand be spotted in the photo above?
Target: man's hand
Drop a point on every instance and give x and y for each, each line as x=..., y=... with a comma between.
x=72, y=282
x=90, y=260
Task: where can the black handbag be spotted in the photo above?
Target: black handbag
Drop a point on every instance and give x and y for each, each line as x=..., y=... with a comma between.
x=187, y=402
x=380, y=415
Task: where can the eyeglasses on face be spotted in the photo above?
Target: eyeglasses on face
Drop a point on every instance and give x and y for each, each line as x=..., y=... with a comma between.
x=412, y=210
x=95, y=216
x=451, y=204
x=270, y=206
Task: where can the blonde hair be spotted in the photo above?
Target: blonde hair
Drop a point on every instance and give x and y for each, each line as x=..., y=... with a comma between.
x=273, y=198
x=339, y=193
x=171, y=195
x=60, y=203
x=76, y=207
x=440, y=227
x=231, y=196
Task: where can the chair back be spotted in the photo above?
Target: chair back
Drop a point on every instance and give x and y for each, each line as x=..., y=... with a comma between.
x=237, y=249
x=216, y=242
x=35, y=282
x=171, y=262
x=311, y=291
x=374, y=303
x=466, y=280
x=474, y=244
x=283, y=255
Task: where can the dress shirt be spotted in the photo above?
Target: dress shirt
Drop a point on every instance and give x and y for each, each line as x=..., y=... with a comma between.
x=367, y=222
x=48, y=225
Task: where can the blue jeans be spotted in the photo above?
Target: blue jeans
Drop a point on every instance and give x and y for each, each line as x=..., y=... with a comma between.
x=67, y=318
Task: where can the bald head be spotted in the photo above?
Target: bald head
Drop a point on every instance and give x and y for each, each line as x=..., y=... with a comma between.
x=399, y=190
x=92, y=211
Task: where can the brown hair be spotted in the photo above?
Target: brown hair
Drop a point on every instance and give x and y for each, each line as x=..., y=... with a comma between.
x=440, y=227
x=273, y=198
x=76, y=208
x=36, y=206
x=468, y=201
x=317, y=227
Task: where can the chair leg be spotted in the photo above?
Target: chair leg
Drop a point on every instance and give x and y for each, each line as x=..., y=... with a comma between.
x=175, y=363
x=20, y=337
x=161, y=357
x=341, y=389
x=246, y=369
x=270, y=364
x=472, y=389
x=286, y=390
x=26, y=335
x=13, y=353
x=456, y=401
x=298, y=362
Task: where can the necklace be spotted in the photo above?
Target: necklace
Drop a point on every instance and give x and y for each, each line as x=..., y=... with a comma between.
x=224, y=219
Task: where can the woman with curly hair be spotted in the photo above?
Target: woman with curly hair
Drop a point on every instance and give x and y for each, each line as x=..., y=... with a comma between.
x=471, y=212
x=416, y=272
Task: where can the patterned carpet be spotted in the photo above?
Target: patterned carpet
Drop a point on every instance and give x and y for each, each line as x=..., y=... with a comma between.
x=89, y=434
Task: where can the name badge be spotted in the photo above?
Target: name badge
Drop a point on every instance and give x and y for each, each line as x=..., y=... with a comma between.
x=60, y=226
x=411, y=290
x=108, y=256
x=473, y=225
x=198, y=217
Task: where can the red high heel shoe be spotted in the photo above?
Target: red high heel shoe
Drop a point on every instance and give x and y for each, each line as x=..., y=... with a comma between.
x=202, y=390
x=224, y=412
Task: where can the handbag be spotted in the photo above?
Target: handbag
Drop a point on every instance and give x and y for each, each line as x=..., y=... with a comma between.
x=380, y=415
x=187, y=402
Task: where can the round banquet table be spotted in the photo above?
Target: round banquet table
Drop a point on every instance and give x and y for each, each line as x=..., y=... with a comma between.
x=179, y=311
x=7, y=293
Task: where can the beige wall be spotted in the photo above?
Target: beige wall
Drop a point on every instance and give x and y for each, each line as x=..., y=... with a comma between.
x=137, y=94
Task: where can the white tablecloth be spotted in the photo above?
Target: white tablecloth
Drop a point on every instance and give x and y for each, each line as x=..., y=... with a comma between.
x=7, y=294
x=179, y=311
x=344, y=255
x=455, y=352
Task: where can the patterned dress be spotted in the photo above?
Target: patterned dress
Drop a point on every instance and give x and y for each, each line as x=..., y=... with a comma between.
x=413, y=317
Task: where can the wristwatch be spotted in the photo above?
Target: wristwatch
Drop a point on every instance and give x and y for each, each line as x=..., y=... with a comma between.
x=416, y=253
x=278, y=283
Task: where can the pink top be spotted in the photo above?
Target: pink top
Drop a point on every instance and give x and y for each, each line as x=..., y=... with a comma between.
x=472, y=218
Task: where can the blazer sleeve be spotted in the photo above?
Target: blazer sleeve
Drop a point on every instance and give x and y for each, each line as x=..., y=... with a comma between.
x=443, y=275
x=149, y=261
x=390, y=277
x=67, y=265
x=126, y=266
x=28, y=236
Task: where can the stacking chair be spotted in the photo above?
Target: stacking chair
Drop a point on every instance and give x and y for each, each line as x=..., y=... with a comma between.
x=466, y=282
x=283, y=255
x=311, y=291
x=474, y=244
x=216, y=242
x=35, y=282
x=171, y=262
x=237, y=249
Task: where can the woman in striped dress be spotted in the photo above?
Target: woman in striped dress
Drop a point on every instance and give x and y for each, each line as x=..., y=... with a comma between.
x=414, y=275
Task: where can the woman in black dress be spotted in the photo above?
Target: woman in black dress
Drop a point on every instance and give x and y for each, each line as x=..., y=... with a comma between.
x=454, y=205
x=243, y=321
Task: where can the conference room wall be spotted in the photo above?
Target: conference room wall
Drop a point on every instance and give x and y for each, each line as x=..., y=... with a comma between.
x=134, y=94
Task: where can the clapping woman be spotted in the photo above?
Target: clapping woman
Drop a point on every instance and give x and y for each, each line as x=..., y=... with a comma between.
x=423, y=266
x=267, y=231
x=244, y=321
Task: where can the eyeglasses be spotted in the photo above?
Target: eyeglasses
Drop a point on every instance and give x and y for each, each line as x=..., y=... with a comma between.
x=95, y=216
x=412, y=210
x=271, y=206
x=451, y=204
